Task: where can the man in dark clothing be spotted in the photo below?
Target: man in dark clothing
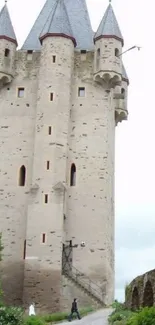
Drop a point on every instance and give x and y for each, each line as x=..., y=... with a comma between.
x=74, y=309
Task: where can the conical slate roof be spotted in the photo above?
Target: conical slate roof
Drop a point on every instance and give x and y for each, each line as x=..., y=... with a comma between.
x=6, y=28
x=124, y=74
x=79, y=21
x=109, y=26
x=58, y=23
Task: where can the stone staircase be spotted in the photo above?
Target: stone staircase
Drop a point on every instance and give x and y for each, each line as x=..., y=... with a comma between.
x=86, y=285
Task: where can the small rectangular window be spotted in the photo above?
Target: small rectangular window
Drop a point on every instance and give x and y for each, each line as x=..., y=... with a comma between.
x=48, y=165
x=21, y=92
x=43, y=238
x=54, y=58
x=46, y=198
x=7, y=53
x=83, y=55
x=51, y=97
x=49, y=130
x=29, y=55
x=81, y=92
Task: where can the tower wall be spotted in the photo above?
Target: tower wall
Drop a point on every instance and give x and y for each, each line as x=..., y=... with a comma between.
x=90, y=205
x=43, y=265
x=17, y=117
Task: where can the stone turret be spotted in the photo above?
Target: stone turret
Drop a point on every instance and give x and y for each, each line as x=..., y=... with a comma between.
x=8, y=44
x=108, y=48
x=52, y=124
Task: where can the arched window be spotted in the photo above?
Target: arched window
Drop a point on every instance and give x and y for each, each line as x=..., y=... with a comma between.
x=148, y=295
x=98, y=58
x=22, y=176
x=135, y=299
x=117, y=53
x=73, y=175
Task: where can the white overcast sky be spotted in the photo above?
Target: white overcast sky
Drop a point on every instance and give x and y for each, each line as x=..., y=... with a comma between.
x=135, y=139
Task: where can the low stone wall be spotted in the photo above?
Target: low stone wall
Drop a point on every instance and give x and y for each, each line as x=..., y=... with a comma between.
x=141, y=291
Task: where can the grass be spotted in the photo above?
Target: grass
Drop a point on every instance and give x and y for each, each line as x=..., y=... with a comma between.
x=54, y=318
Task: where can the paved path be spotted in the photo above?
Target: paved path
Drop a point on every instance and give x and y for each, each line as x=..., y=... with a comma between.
x=98, y=318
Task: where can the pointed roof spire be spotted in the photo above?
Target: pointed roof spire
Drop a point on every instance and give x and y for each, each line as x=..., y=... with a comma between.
x=109, y=26
x=6, y=28
x=58, y=23
x=79, y=20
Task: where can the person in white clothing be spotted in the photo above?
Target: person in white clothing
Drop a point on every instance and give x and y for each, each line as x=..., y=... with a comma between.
x=32, y=310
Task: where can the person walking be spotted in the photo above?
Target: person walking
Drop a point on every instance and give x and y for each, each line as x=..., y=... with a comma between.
x=74, y=309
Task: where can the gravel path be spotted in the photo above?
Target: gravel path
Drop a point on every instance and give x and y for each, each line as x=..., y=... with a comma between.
x=98, y=318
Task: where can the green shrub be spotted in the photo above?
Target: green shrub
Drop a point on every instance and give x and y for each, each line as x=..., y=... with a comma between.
x=118, y=306
x=145, y=316
x=120, y=316
x=120, y=322
x=11, y=316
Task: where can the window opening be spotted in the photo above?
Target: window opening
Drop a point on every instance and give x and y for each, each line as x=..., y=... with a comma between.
x=51, y=97
x=29, y=55
x=22, y=176
x=83, y=51
x=81, y=92
x=21, y=92
x=98, y=58
x=43, y=238
x=46, y=198
x=54, y=58
x=7, y=53
x=48, y=165
x=73, y=175
x=24, y=253
x=49, y=130
x=117, y=53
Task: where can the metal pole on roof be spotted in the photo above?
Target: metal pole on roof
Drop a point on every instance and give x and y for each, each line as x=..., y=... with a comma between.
x=131, y=48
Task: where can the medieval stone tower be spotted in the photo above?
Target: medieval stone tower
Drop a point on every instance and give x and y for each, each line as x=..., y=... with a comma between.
x=61, y=96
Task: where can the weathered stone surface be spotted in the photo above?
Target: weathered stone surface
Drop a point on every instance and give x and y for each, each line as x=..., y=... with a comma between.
x=141, y=291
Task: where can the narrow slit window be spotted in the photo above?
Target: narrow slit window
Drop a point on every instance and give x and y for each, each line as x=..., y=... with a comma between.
x=81, y=92
x=98, y=58
x=21, y=92
x=48, y=165
x=22, y=176
x=46, y=198
x=49, y=130
x=73, y=175
x=24, y=252
x=43, y=238
x=54, y=58
x=7, y=53
x=51, y=97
